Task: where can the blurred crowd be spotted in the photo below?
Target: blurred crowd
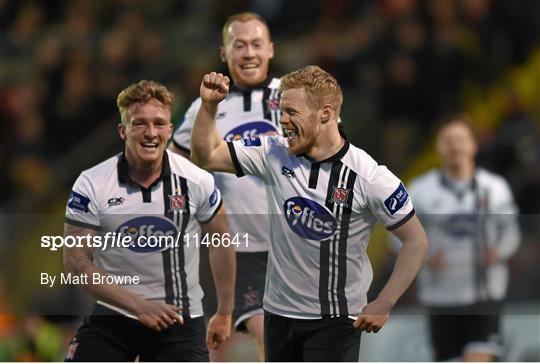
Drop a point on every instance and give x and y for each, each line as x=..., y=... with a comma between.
x=402, y=64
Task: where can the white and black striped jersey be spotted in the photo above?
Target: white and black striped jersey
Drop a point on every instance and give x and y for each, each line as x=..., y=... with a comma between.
x=106, y=199
x=243, y=114
x=321, y=218
x=461, y=219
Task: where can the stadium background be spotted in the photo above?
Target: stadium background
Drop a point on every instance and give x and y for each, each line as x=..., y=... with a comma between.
x=402, y=64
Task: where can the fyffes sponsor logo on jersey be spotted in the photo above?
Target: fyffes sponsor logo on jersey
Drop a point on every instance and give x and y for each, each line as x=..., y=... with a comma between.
x=250, y=131
x=145, y=233
x=461, y=226
x=309, y=219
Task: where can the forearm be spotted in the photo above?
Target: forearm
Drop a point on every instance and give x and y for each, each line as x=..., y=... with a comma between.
x=78, y=261
x=223, y=264
x=205, y=138
x=407, y=266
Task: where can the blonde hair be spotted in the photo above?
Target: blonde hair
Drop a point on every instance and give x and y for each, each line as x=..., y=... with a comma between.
x=321, y=87
x=242, y=18
x=142, y=92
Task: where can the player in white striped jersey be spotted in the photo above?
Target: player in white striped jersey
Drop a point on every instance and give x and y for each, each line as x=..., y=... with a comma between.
x=250, y=109
x=144, y=193
x=324, y=197
x=471, y=220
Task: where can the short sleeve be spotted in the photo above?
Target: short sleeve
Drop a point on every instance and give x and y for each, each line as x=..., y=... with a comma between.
x=249, y=155
x=82, y=209
x=387, y=199
x=208, y=199
x=182, y=135
x=505, y=203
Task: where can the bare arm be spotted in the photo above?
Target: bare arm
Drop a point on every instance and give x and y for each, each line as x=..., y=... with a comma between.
x=223, y=264
x=79, y=260
x=208, y=149
x=408, y=264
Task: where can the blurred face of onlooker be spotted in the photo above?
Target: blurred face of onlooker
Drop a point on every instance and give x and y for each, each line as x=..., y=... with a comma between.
x=456, y=145
x=146, y=130
x=247, y=50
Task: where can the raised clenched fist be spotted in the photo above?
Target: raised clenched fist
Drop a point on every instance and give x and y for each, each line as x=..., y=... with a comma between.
x=214, y=87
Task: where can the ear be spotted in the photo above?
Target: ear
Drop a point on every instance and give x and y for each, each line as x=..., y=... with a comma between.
x=222, y=54
x=171, y=130
x=271, y=50
x=326, y=113
x=122, y=131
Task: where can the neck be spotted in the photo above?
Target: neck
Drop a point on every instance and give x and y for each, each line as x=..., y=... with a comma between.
x=328, y=143
x=463, y=172
x=143, y=173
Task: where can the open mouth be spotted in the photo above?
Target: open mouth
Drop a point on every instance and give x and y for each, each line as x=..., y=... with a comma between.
x=149, y=146
x=290, y=133
x=249, y=66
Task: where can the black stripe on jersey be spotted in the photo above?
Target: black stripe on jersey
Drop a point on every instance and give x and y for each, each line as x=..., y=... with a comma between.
x=324, y=254
x=236, y=163
x=166, y=254
x=267, y=113
x=314, y=175
x=247, y=100
x=180, y=251
x=342, y=249
x=324, y=275
x=175, y=270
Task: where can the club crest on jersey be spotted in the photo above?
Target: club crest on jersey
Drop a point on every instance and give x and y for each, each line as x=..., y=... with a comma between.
x=177, y=203
x=273, y=104
x=340, y=196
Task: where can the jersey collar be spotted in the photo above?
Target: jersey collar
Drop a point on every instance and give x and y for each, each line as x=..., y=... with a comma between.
x=264, y=84
x=340, y=153
x=123, y=171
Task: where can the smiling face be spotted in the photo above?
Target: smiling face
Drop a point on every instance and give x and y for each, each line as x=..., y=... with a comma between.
x=247, y=50
x=146, y=130
x=456, y=145
x=299, y=122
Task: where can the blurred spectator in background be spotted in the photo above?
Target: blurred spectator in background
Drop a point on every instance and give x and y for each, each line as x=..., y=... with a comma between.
x=471, y=221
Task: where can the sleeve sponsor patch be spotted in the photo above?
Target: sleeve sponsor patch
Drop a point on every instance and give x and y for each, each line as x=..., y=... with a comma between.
x=78, y=202
x=396, y=199
x=213, y=197
x=254, y=142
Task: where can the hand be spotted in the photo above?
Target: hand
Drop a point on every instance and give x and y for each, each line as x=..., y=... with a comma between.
x=437, y=261
x=491, y=256
x=373, y=317
x=158, y=315
x=214, y=87
x=219, y=330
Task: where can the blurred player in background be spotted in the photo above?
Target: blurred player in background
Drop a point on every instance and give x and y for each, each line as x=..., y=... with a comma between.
x=147, y=191
x=324, y=196
x=251, y=109
x=471, y=221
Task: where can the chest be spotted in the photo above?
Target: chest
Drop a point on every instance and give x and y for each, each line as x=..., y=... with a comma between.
x=246, y=115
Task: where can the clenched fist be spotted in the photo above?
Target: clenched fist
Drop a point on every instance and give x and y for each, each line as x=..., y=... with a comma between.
x=214, y=88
